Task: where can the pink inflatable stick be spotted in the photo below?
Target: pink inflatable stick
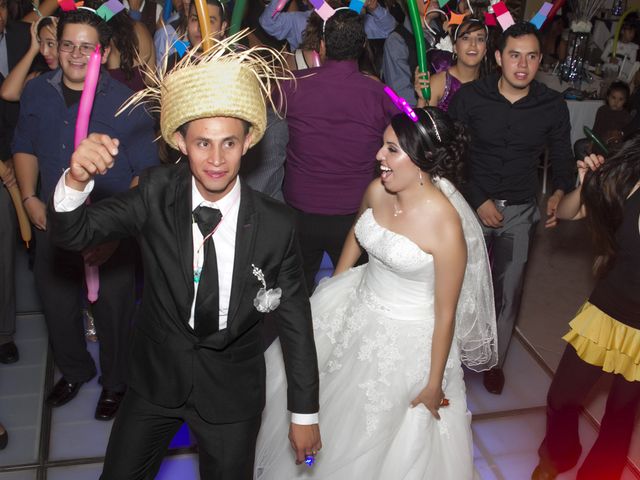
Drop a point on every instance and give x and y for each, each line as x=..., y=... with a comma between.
x=82, y=128
x=88, y=94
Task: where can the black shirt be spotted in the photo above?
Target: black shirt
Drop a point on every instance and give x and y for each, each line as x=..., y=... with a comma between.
x=617, y=293
x=507, y=140
x=71, y=97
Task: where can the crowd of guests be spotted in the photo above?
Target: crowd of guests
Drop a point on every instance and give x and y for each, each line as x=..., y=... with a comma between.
x=317, y=155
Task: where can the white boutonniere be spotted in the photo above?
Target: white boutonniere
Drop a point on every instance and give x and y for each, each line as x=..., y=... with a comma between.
x=445, y=44
x=266, y=300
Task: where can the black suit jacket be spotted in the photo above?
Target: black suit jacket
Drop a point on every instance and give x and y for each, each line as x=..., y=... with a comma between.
x=226, y=369
x=18, y=41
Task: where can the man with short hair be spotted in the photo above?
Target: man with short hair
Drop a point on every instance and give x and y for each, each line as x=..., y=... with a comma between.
x=42, y=145
x=290, y=26
x=217, y=257
x=512, y=119
x=336, y=117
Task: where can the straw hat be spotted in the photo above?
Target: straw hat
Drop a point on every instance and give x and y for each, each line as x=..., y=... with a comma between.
x=225, y=81
x=215, y=89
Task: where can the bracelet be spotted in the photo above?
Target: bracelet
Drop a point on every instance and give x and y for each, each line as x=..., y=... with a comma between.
x=24, y=200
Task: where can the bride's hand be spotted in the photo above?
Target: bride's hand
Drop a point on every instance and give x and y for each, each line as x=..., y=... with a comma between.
x=432, y=398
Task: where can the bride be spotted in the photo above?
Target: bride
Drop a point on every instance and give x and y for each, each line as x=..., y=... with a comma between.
x=391, y=335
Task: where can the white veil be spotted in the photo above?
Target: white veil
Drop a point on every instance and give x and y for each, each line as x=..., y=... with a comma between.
x=475, y=328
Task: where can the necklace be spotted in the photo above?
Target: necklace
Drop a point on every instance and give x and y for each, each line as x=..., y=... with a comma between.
x=396, y=210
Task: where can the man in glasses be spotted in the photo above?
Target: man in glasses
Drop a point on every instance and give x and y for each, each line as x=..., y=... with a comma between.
x=42, y=146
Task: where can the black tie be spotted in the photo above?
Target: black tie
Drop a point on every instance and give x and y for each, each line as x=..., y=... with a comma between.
x=207, y=303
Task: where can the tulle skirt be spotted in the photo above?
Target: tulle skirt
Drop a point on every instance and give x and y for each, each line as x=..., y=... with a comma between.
x=373, y=363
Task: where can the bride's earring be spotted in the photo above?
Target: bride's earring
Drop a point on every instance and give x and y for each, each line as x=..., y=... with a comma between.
x=420, y=177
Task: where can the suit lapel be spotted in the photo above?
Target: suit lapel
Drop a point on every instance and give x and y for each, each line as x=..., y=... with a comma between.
x=14, y=50
x=183, y=225
x=245, y=241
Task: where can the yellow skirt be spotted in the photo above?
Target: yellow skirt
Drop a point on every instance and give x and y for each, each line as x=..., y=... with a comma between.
x=602, y=341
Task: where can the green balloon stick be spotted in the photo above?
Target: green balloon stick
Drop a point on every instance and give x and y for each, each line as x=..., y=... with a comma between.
x=421, y=49
x=237, y=16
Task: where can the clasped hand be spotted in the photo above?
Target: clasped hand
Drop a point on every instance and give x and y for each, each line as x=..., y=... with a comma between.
x=95, y=155
x=430, y=397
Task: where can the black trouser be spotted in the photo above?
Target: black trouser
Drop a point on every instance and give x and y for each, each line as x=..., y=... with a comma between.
x=561, y=447
x=319, y=234
x=8, y=227
x=60, y=283
x=142, y=432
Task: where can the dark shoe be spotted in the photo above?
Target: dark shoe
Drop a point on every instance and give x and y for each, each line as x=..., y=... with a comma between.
x=494, y=380
x=108, y=404
x=543, y=473
x=4, y=439
x=63, y=392
x=9, y=353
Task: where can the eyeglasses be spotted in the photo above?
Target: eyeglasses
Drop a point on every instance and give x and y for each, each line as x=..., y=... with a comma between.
x=85, y=49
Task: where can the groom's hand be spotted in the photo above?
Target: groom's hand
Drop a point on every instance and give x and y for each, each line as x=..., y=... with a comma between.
x=94, y=156
x=305, y=440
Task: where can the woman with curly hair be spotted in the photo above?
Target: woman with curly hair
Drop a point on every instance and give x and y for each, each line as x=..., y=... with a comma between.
x=391, y=335
x=604, y=336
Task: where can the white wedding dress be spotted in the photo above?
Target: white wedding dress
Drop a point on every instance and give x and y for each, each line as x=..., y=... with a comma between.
x=373, y=328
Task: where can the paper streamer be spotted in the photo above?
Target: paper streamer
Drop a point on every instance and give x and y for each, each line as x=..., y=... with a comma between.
x=203, y=21
x=557, y=5
x=16, y=198
x=489, y=19
x=540, y=17
x=109, y=9
x=82, y=128
x=356, y=5
x=325, y=11
x=416, y=25
x=181, y=47
x=503, y=16
x=456, y=18
x=67, y=5
x=166, y=11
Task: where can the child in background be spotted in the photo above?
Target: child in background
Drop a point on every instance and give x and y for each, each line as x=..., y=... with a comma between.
x=611, y=118
x=626, y=46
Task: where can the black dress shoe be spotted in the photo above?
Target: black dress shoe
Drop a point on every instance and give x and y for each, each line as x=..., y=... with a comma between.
x=4, y=439
x=543, y=473
x=108, y=404
x=63, y=392
x=9, y=353
x=494, y=380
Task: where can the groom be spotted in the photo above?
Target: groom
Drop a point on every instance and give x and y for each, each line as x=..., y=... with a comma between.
x=213, y=249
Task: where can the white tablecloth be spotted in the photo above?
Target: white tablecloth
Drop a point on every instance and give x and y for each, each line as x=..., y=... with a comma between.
x=582, y=113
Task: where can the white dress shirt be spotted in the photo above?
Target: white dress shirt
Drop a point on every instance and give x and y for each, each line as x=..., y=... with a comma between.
x=224, y=240
x=66, y=199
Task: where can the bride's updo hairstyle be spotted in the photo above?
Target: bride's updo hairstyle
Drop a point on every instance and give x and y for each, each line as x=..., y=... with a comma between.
x=436, y=144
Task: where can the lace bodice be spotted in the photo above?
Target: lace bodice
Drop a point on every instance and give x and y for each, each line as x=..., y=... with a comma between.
x=399, y=274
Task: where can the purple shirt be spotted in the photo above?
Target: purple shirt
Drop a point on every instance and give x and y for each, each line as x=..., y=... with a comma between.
x=336, y=118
